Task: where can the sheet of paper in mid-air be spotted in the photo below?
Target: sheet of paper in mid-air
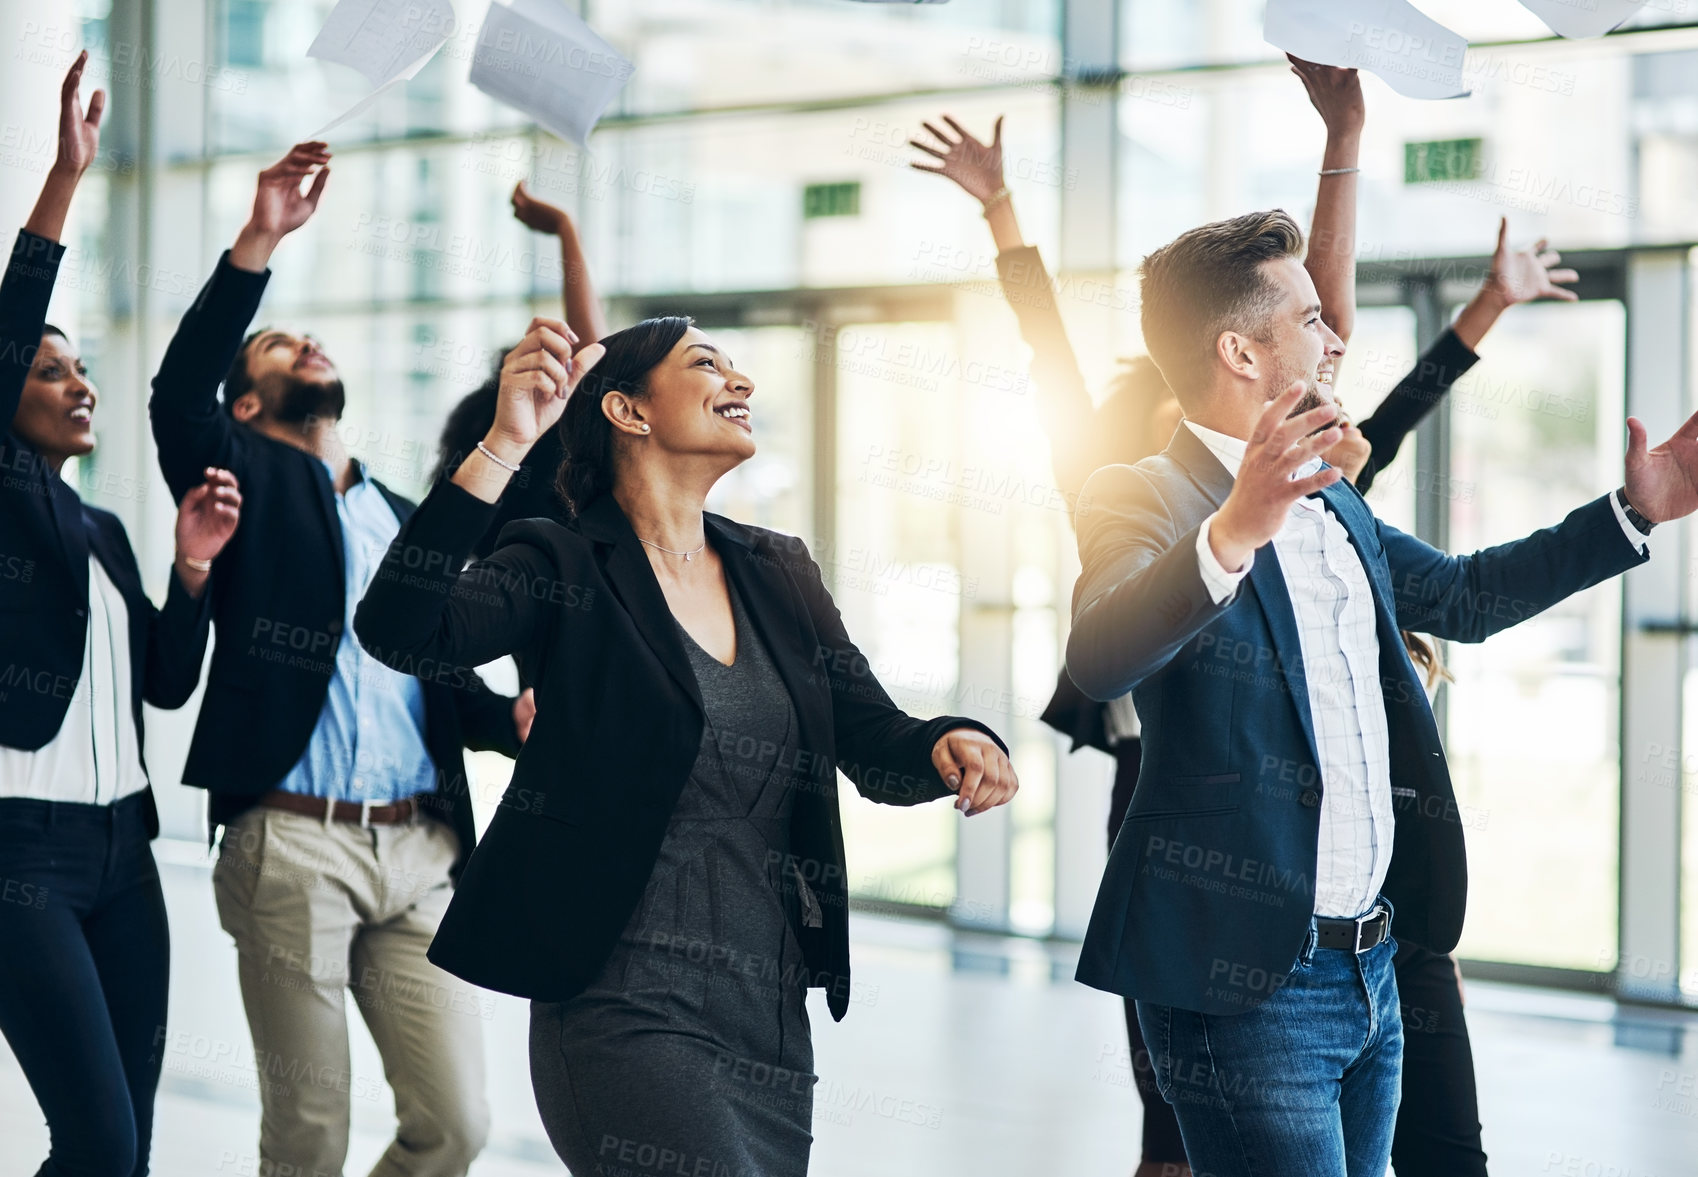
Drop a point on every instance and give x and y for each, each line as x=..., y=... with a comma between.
x=386, y=41
x=1414, y=54
x=1591, y=19
x=540, y=58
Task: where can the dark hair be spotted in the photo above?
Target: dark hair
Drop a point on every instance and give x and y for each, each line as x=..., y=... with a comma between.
x=467, y=423
x=1427, y=658
x=50, y=329
x=1207, y=281
x=1123, y=424
x=585, y=432
x=237, y=381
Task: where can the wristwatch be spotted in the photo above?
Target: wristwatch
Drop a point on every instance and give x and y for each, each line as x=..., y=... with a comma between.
x=1640, y=524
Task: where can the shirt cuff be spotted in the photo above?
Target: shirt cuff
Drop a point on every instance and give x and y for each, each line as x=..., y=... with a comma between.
x=1634, y=536
x=1221, y=583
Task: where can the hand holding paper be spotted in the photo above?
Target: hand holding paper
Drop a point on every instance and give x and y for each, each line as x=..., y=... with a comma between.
x=1414, y=55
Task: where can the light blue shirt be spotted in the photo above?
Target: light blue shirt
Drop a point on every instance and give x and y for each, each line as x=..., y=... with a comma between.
x=368, y=744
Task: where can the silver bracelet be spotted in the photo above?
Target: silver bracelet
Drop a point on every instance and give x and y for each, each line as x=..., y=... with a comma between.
x=996, y=198
x=502, y=462
x=1337, y=171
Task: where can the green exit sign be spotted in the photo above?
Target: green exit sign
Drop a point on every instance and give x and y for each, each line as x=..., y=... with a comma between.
x=831, y=200
x=1441, y=159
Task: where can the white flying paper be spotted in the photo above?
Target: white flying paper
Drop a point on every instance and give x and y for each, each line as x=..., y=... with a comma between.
x=1585, y=18
x=542, y=60
x=1415, y=55
x=387, y=41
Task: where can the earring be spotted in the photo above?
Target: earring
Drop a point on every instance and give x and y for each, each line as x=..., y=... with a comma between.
x=645, y=427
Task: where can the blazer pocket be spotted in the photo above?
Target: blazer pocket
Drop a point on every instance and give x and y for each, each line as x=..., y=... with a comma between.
x=1219, y=778
x=1211, y=811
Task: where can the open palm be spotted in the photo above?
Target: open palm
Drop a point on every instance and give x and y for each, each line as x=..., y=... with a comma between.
x=279, y=204
x=79, y=134
x=1662, y=483
x=974, y=165
x=1522, y=275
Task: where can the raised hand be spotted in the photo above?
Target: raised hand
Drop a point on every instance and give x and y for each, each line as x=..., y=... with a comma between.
x=976, y=166
x=1352, y=451
x=537, y=214
x=975, y=769
x=280, y=206
x=1336, y=94
x=206, y=520
x=536, y=378
x=1522, y=275
x=1662, y=483
x=79, y=142
x=1264, y=490
x=79, y=134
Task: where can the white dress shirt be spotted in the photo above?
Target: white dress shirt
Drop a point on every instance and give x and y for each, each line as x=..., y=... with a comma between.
x=96, y=757
x=1334, y=607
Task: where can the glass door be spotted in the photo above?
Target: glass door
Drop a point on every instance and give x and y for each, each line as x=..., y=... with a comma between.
x=1534, y=737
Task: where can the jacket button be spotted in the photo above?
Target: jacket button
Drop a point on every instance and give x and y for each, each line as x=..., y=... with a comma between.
x=334, y=627
x=1309, y=797
x=82, y=612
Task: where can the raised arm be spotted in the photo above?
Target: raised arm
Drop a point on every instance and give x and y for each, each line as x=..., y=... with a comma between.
x=583, y=306
x=34, y=264
x=1146, y=587
x=190, y=428
x=1331, y=261
x=1515, y=276
x=1066, y=402
x=425, y=609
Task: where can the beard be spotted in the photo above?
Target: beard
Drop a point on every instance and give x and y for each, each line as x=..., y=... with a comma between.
x=292, y=401
x=1311, y=399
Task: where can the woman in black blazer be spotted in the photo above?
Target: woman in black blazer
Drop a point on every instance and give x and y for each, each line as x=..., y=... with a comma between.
x=665, y=876
x=85, y=962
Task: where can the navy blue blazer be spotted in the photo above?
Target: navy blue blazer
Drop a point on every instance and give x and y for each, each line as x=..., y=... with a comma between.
x=1210, y=885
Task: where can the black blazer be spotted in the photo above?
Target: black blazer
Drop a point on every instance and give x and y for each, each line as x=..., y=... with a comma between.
x=1210, y=886
x=278, y=587
x=1077, y=448
x=47, y=534
x=619, y=723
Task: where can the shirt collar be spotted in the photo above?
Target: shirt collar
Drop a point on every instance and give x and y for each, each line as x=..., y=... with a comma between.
x=359, y=472
x=1230, y=450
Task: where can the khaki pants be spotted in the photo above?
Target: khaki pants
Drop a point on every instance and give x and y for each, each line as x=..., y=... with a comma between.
x=316, y=911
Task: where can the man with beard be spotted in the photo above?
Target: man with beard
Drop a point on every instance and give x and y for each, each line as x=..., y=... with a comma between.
x=1293, y=788
x=339, y=782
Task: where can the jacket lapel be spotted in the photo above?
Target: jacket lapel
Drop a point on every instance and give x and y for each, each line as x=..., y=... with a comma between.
x=73, y=531
x=1265, y=578
x=631, y=576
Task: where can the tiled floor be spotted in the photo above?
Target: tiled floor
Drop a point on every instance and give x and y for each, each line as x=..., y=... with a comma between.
x=966, y=1055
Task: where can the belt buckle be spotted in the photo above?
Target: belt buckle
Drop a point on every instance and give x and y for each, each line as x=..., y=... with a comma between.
x=1363, y=921
x=365, y=814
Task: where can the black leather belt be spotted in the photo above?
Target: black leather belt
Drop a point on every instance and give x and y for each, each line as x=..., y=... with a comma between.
x=1357, y=935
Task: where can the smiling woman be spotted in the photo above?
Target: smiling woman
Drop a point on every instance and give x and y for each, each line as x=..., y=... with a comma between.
x=696, y=702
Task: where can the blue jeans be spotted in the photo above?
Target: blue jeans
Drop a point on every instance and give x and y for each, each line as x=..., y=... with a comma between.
x=1304, y=1085
x=84, y=963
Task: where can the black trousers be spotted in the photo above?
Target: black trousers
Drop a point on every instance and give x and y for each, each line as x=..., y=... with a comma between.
x=1161, y=1144
x=83, y=977
x=1438, y=1120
